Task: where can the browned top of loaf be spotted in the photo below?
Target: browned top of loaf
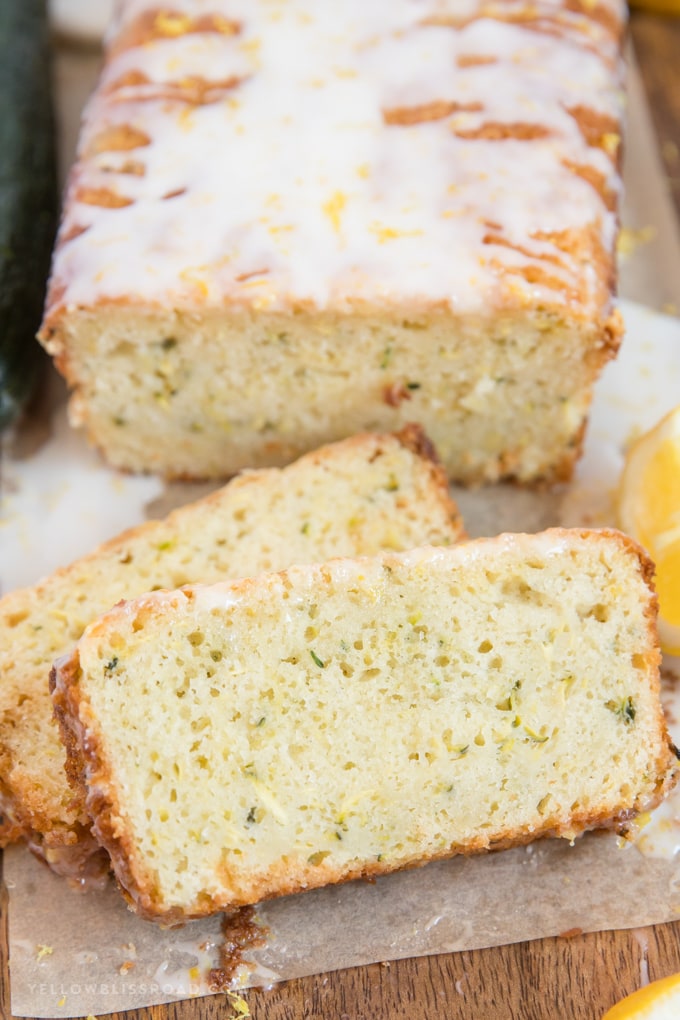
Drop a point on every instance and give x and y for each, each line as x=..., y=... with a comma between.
x=383, y=134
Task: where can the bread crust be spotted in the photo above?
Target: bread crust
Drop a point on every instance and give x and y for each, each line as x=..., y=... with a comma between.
x=55, y=824
x=96, y=775
x=521, y=265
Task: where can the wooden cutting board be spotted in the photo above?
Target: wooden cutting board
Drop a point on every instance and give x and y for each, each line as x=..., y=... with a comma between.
x=572, y=977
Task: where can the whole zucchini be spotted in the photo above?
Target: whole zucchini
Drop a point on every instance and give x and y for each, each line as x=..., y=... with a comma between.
x=28, y=194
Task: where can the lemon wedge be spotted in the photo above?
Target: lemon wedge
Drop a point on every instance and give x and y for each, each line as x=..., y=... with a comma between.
x=658, y=1001
x=649, y=511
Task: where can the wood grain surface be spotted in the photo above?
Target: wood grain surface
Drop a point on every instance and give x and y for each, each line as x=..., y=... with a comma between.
x=657, y=46
x=575, y=978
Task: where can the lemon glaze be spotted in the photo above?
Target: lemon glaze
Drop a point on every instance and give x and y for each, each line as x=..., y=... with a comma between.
x=319, y=168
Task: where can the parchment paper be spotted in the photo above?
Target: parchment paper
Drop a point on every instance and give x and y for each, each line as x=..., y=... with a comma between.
x=74, y=954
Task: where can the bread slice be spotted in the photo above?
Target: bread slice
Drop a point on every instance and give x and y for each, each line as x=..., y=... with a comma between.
x=429, y=233
x=246, y=740
x=358, y=496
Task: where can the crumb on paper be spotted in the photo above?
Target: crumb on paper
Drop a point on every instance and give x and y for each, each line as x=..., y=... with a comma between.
x=570, y=933
x=42, y=951
x=239, y=1005
x=91, y=1016
x=126, y=967
x=241, y=931
x=630, y=240
x=62, y=1001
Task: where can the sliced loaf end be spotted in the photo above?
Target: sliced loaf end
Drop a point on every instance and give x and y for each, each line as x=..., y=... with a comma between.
x=247, y=740
x=354, y=497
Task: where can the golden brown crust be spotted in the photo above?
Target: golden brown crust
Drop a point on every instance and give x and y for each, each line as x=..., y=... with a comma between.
x=414, y=438
x=597, y=180
x=105, y=198
x=86, y=770
x=289, y=879
x=500, y=131
x=599, y=13
x=118, y=138
x=598, y=129
x=75, y=763
x=549, y=21
x=55, y=827
x=425, y=113
x=10, y=832
x=193, y=90
x=293, y=876
x=165, y=23
x=475, y=59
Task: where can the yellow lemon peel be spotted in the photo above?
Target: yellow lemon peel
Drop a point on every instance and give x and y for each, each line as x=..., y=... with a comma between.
x=658, y=1001
x=649, y=511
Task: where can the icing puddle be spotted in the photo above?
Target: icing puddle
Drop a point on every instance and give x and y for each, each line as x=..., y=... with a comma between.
x=240, y=933
x=214, y=964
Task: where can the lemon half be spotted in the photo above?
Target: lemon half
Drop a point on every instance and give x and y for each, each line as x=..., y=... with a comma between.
x=649, y=511
x=658, y=1001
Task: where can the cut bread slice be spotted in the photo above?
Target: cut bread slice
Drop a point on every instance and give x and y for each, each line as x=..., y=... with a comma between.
x=358, y=496
x=255, y=738
x=348, y=195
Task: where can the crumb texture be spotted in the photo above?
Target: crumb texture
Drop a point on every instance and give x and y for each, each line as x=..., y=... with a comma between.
x=246, y=740
x=359, y=496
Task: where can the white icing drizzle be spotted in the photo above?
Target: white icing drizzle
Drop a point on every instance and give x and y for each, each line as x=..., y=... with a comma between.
x=290, y=186
x=642, y=939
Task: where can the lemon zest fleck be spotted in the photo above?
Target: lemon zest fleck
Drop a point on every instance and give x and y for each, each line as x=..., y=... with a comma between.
x=334, y=209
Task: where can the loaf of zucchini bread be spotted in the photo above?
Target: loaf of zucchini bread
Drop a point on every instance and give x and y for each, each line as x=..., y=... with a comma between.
x=288, y=223
x=252, y=739
x=358, y=496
